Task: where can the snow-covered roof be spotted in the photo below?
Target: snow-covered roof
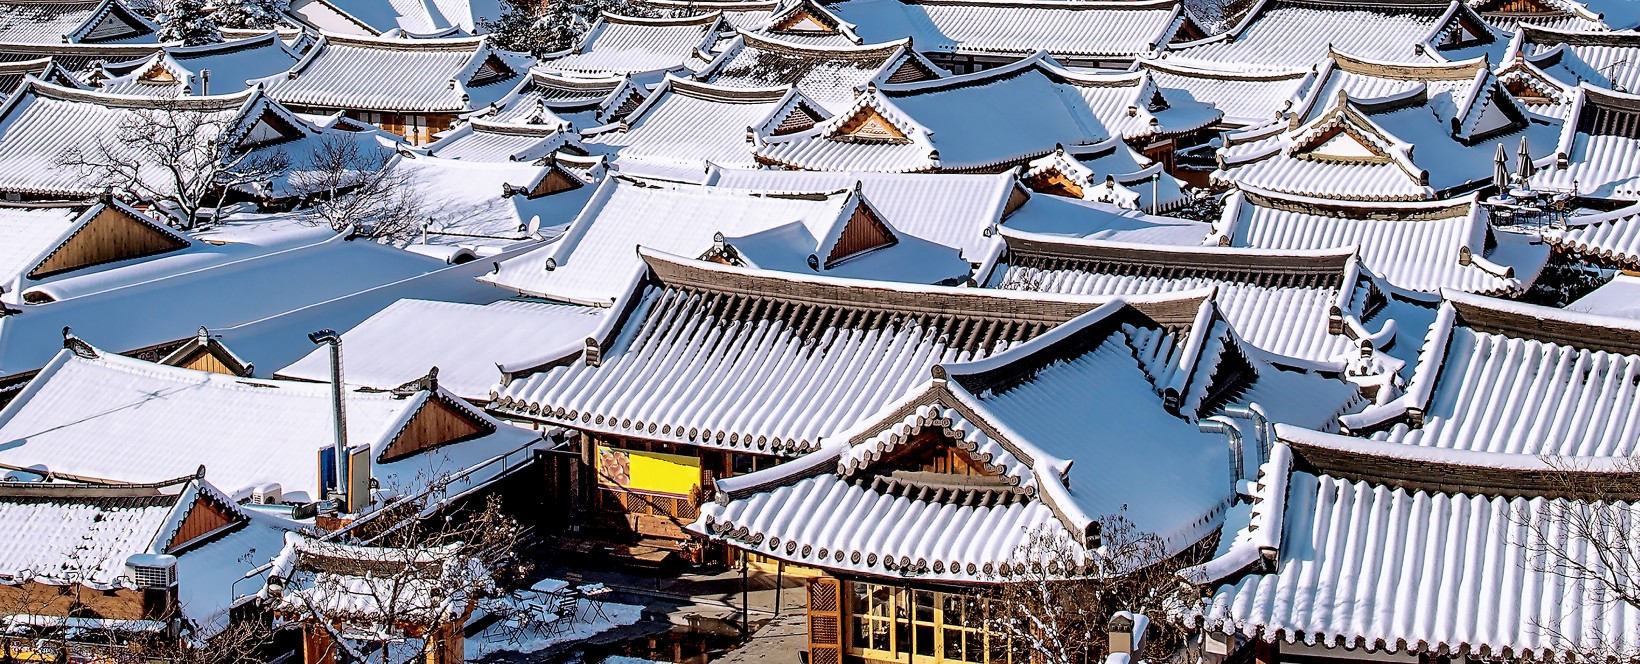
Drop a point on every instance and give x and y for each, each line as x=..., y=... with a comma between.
x=1066, y=28
x=465, y=341
x=165, y=299
x=955, y=210
x=1408, y=570
x=99, y=416
x=179, y=69
x=1110, y=172
x=73, y=22
x=618, y=44
x=484, y=140
x=36, y=233
x=1423, y=246
x=1295, y=34
x=1600, y=58
x=454, y=75
x=1245, y=97
x=830, y=75
x=688, y=125
x=545, y=98
x=1510, y=378
x=1599, y=148
x=795, y=21
x=986, y=120
x=420, y=17
x=81, y=60
x=1610, y=237
x=808, y=232
x=1031, y=418
x=771, y=362
x=43, y=121
x=1385, y=131
x=491, y=205
x=14, y=73
x=1558, y=14
x=1070, y=217
x=366, y=588
x=1619, y=297
x=1289, y=303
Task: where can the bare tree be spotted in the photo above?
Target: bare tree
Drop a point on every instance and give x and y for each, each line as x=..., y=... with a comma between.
x=1589, y=537
x=174, y=155
x=346, y=185
x=1055, y=598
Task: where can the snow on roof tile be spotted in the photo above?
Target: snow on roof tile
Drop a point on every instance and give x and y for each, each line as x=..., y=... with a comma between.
x=1245, y=98
x=1601, y=59
x=1599, y=148
x=404, y=75
x=830, y=75
x=1296, y=34
x=1609, y=237
x=73, y=21
x=232, y=65
x=1373, y=567
x=1121, y=30
x=774, y=362
x=81, y=415
x=618, y=44
x=691, y=124
x=1421, y=246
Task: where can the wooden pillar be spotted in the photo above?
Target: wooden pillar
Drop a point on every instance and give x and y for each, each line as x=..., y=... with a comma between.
x=1266, y=652
x=317, y=646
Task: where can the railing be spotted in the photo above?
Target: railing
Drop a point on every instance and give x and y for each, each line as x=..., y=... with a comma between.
x=1538, y=208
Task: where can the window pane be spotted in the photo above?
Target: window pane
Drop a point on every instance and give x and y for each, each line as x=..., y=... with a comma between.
x=953, y=609
x=925, y=605
x=857, y=637
x=925, y=640
x=975, y=650
x=857, y=597
x=953, y=643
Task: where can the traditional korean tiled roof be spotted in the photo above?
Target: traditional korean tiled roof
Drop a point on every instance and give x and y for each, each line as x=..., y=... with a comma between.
x=1609, y=237
x=1294, y=303
x=80, y=60
x=488, y=206
x=1285, y=35
x=830, y=75
x=465, y=341
x=73, y=22
x=1555, y=14
x=595, y=260
x=951, y=209
x=626, y=45
x=793, y=21
x=1386, y=132
x=1424, y=246
x=688, y=124
x=1066, y=29
x=1599, y=58
x=1111, y=172
x=418, y=17
x=987, y=120
x=1404, y=570
x=483, y=140
x=405, y=75
x=178, y=69
x=1598, y=153
x=1033, y=416
x=1507, y=378
x=87, y=409
x=544, y=98
x=14, y=74
x=1245, y=97
x=1075, y=218
x=42, y=121
x=773, y=362
x=34, y=233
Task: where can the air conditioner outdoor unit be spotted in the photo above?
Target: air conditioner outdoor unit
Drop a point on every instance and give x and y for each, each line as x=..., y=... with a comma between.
x=151, y=572
x=268, y=494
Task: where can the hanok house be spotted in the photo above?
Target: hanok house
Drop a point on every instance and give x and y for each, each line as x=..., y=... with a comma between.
x=45, y=240
x=41, y=121
x=1405, y=557
x=484, y=140
x=1109, y=172
x=14, y=73
x=1309, y=305
x=90, y=416
x=225, y=68
x=1610, y=239
x=991, y=121
x=794, y=21
x=95, y=569
x=74, y=22
x=1598, y=153
x=544, y=98
x=1387, y=132
x=1284, y=35
x=415, y=88
x=355, y=603
x=933, y=495
x=646, y=49
x=685, y=126
x=1246, y=98
x=1424, y=246
x=708, y=371
x=969, y=35
x=829, y=75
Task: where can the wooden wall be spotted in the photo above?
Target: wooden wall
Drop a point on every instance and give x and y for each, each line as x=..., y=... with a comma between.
x=108, y=237
x=49, y=600
x=434, y=424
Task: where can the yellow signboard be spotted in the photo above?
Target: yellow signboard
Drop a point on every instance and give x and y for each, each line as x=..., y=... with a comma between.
x=651, y=472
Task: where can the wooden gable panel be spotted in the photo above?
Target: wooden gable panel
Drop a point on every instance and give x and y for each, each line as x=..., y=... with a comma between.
x=910, y=71
x=870, y=125
x=801, y=118
x=555, y=181
x=204, y=518
x=930, y=451
x=863, y=233
x=435, y=423
x=111, y=236
x=203, y=360
x=1517, y=7
x=112, y=26
x=158, y=74
x=491, y=71
x=1343, y=143
x=806, y=22
x=1055, y=183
